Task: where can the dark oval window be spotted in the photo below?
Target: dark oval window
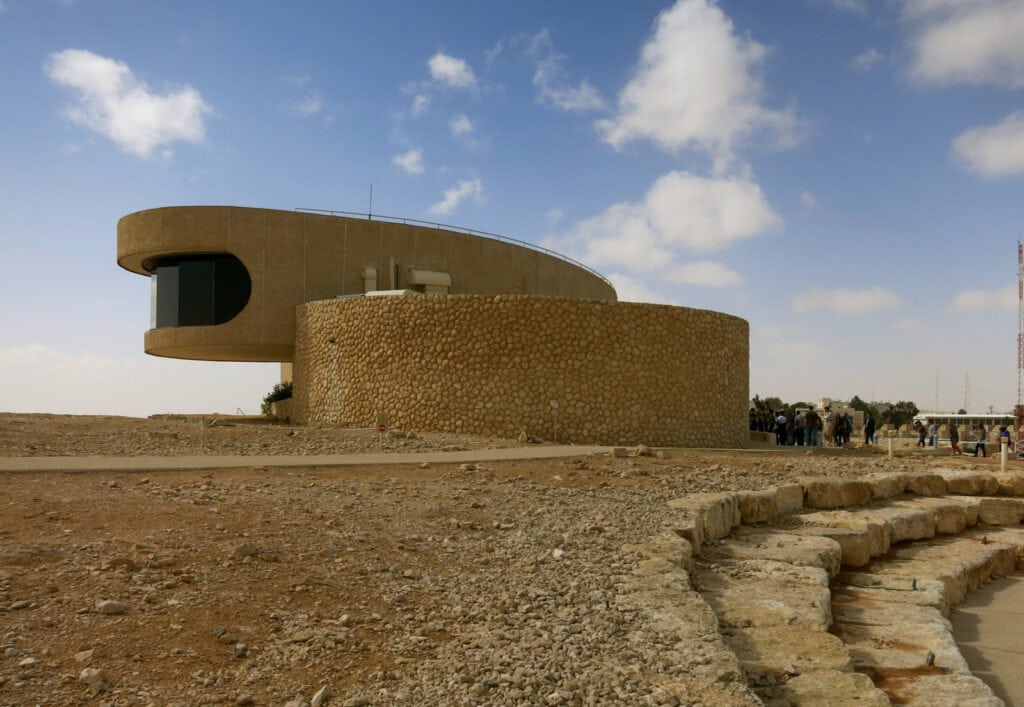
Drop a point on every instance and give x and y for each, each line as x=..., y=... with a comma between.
x=198, y=290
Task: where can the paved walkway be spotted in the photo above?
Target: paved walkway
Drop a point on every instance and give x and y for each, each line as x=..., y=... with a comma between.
x=154, y=463
x=989, y=628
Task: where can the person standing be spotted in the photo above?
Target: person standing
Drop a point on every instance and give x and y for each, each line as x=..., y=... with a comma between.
x=798, y=429
x=933, y=434
x=921, y=432
x=982, y=441
x=869, y=428
x=811, y=420
x=954, y=439
x=780, y=428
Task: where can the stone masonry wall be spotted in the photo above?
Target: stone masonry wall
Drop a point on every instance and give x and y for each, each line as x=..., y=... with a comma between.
x=620, y=373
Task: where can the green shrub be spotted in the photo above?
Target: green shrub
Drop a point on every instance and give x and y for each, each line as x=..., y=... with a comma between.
x=281, y=391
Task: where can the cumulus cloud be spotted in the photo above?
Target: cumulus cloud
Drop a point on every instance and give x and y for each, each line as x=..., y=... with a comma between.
x=706, y=274
x=843, y=301
x=465, y=189
x=809, y=200
x=411, y=161
x=697, y=86
x=993, y=150
x=460, y=125
x=680, y=211
x=552, y=79
x=451, y=71
x=966, y=41
x=866, y=61
x=981, y=300
x=115, y=103
x=553, y=216
x=420, y=104
x=629, y=290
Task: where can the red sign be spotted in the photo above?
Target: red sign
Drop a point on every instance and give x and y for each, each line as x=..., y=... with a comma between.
x=382, y=427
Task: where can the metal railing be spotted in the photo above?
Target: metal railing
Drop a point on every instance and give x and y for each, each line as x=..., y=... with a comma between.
x=460, y=229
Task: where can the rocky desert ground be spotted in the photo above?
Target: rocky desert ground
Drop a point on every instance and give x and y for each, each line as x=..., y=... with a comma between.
x=421, y=584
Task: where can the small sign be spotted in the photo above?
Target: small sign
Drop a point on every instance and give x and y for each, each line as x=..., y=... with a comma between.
x=382, y=428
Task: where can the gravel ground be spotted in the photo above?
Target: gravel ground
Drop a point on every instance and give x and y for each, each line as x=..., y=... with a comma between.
x=496, y=584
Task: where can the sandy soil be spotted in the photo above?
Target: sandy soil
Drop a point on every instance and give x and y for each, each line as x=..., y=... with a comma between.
x=487, y=584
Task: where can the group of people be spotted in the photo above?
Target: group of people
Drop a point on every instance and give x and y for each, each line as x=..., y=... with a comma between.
x=809, y=429
x=931, y=433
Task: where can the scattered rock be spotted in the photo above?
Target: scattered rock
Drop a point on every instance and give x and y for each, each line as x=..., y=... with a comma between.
x=111, y=607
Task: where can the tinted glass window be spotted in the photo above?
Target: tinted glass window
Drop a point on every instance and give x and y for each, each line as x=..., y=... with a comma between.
x=199, y=290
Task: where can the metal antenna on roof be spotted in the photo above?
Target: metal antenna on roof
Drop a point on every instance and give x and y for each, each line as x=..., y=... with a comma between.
x=369, y=214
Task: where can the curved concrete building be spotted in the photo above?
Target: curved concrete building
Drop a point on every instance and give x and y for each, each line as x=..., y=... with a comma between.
x=227, y=279
x=436, y=328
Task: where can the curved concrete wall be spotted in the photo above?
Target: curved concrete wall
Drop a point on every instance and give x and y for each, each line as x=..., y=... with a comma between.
x=621, y=373
x=295, y=257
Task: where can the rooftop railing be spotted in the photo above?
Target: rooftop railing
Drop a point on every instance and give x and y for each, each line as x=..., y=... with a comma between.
x=459, y=229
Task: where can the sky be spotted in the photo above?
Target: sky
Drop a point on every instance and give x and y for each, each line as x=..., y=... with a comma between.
x=846, y=175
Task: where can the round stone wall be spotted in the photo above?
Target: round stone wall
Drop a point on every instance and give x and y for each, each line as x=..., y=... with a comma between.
x=582, y=371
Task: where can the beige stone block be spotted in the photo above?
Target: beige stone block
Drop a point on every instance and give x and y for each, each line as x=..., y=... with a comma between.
x=720, y=512
x=835, y=493
x=926, y=484
x=969, y=483
x=887, y=485
x=757, y=506
x=905, y=523
x=789, y=499
x=827, y=687
x=771, y=655
x=1011, y=483
x=796, y=549
x=1000, y=511
x=855, y=544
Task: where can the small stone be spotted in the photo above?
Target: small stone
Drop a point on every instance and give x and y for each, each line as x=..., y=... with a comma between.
x=245, y=550
x=84, y=656
x=321, y=697
x=355, y=702
x=12, y=652
x=245, y=699
x=111, y=607
x=558, y=553
x=94, y=678
x=618, y=452
x=27, y=662
x=20, y=604
x=467, y=467
x=241, y=650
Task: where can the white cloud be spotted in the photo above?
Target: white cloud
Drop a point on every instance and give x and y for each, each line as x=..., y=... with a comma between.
x=680, y=211
x=857, y=7
x=460, y=125
x=465, y=189
x=809, y=199
x=697, y=86
x=420, y=104
x=842, y=301
x=975, y=301
x=993, y=150
x=310, y=104
x=411, y=161
x=553, y=216
x=451, y=71
x=552, y=79
x=629, y=290
x=115, y=103
x=866, y=61
x=967, y=41
x=706, y=274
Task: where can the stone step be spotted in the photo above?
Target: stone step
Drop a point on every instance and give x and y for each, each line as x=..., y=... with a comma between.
x=891, y=615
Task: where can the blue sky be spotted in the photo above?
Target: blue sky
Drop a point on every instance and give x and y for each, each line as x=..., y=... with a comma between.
x=844, y=174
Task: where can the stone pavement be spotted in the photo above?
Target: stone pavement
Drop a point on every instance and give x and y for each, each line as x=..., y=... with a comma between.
x=988, y=629
x=158, y=463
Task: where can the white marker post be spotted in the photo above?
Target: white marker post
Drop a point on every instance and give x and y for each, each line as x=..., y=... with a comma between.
x=1003, y=449
x=890, y=448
